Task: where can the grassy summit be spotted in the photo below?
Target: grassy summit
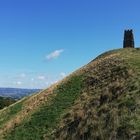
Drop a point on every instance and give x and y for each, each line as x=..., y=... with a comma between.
x=99, y=101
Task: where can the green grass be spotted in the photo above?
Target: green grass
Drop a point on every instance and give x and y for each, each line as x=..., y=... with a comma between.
x=10, y=112
x=48, y=116
x=110, y=105
x=100, y=101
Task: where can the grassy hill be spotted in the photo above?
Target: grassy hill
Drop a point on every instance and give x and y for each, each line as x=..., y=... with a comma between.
x=100, y=101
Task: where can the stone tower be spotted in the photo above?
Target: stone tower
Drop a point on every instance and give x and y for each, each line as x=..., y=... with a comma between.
x=128, y=39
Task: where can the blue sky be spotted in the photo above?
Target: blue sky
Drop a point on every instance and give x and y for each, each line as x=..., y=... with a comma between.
x=42, y=41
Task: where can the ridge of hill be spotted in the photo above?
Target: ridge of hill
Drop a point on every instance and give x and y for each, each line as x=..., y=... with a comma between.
x=99, y=101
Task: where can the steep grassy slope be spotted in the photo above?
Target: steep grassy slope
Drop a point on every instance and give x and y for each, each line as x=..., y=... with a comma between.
x=100, y=101
x=33, y=117
x=109, y=107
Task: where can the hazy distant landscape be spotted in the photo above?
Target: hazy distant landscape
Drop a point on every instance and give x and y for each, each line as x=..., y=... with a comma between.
x=17, y=93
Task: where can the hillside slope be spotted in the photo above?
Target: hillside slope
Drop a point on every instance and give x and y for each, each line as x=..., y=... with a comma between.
x=100, y=101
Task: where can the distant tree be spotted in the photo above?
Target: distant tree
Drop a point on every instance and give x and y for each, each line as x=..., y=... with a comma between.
x=5, y=101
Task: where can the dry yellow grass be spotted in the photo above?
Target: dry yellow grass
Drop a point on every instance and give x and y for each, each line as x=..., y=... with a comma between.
x=83, y=107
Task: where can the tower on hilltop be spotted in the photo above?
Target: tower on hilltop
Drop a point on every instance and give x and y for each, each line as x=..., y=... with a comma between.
x=128, y=41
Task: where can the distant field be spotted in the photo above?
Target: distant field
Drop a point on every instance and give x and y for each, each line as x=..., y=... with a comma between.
x=17, y=93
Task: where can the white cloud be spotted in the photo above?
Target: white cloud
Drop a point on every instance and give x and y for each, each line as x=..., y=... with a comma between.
x=62, y=74
x=54, y=54
x=32, y=79
x=41, y=77
x=47, y=83
x=53, y=82
x=22, y=75
x=18, y=83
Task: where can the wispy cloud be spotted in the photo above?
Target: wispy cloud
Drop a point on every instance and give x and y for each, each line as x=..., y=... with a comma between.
x=62, y=74
x=22, y=75
x=41, y=77
x=18, y=83
x=54, y=54
x=32, y=80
